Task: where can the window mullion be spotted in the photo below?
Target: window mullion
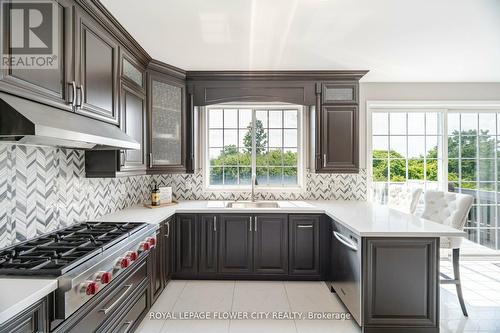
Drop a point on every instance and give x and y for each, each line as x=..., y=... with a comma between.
x=253, y=177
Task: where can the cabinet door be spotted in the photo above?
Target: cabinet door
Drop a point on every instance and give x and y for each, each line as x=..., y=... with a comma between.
x=208, y=243
x=167, y=124
x=50, y=83
x=304, y=245
x=186, y=245
x=156, y=259
x=133, y=122
x=340, y=93
x=270, y=244
x=235, y=244
x=167, y=250
x=339, y=139
x=97, y=70
x=132, y=72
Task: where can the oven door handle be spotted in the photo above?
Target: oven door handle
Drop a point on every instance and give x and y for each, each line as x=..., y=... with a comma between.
x=115, y=303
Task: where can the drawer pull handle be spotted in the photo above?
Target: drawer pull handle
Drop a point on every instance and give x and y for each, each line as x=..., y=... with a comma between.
x=215, y=223
x=127, y=287
x=344, y=240
x=250, y=219
x=128, y=324
x=304, y=226
x=255, y=223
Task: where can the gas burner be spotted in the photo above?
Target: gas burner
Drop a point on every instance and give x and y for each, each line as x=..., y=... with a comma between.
x=56, y=253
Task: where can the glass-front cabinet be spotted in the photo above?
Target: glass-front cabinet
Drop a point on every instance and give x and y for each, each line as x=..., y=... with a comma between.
x=167, y=120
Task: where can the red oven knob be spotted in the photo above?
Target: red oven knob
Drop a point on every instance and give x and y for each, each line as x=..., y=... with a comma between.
x=144, y=247
x=90, y=287
x=132, y=255
x=105, y=277
x=152, y=241
x=124, y=262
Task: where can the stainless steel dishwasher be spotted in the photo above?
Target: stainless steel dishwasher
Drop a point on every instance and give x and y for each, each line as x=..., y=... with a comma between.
x=346, y=268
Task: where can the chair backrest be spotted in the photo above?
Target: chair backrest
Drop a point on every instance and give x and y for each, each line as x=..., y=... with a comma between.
x=447, y=208
x=403, y=198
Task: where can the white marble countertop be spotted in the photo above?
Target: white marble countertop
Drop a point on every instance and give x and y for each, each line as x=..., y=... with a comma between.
x=363, y=218
x=20, y=293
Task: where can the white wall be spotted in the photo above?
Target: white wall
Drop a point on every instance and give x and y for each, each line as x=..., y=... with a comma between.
x=420, y=92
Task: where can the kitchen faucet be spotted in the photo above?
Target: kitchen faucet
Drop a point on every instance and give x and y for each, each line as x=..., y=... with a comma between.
x=254, y=182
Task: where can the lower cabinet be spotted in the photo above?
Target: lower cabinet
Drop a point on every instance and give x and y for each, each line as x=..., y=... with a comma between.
x=186, y=245
x=232, y=245
x=33, y=319
x=270, y=244
x=168, y=249
x=156, y=264
x=235, y=255
x=304, y=250
x=209, y=244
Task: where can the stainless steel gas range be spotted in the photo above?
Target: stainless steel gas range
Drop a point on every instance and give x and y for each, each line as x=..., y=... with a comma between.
x=84, y=258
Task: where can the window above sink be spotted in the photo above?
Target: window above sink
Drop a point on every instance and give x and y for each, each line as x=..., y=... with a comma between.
x=235, y=148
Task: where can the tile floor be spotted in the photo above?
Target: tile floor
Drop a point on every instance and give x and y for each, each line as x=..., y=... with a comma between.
x=481, y=290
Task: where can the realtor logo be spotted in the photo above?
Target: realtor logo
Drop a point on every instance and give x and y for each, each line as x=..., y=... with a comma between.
x=30, y=28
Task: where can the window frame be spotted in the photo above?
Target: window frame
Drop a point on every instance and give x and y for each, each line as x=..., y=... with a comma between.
x=444, y=108
x=301, y=149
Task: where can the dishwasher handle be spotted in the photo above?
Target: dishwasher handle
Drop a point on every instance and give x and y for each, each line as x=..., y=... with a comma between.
x=344, y=240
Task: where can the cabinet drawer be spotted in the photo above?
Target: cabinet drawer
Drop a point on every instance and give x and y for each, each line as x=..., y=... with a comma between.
x=340, y=93
x=93, y=314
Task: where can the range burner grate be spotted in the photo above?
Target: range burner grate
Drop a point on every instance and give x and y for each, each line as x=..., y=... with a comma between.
x=56, y=253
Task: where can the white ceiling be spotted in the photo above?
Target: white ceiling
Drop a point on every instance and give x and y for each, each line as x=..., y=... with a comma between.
x=397, y=40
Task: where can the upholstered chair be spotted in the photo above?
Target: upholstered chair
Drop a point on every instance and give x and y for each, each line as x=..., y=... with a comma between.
x=403, y=198
x=450, y=209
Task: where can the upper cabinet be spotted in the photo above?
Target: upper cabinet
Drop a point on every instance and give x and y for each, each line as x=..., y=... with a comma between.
x=337, y=122
x=96, y=55
x=51, y=82
x=167, y=123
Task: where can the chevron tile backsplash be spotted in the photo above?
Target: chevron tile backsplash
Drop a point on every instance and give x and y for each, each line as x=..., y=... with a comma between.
x=43, y=189
x=318, y=187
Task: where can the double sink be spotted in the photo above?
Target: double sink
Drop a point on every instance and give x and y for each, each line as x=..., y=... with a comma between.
x=252, y=204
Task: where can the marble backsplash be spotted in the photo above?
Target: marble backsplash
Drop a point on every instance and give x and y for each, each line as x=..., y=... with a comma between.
x=43, y=189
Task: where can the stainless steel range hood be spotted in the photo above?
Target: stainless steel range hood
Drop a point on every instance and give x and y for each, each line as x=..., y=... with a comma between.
x=27, y=122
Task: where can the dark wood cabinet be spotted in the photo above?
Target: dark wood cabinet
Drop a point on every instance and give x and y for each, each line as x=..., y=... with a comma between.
x=236, y=234
x=341, y=92
x=32, y=320
x=96, y=59
x=339, y=139
x=270, y=244
x=209, y=243
x=52, y=84
x=304, y=245
x=168, y=249
x=156, y=264
x=167, y=134
x=133, y=122
x=186, y=245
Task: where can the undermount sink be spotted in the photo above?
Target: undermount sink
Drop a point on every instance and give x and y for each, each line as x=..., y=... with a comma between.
x=252, y=204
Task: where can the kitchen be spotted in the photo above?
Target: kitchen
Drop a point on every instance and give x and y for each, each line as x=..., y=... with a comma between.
x=147, y=187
